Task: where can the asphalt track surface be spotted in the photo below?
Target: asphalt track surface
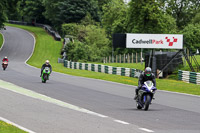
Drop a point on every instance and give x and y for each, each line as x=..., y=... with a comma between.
x=170, y=112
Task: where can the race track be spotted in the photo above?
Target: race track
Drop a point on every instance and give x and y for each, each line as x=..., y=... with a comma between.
x=112, y=102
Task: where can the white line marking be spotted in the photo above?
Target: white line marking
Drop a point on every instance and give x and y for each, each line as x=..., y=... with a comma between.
x=16, y=125
x=17, y=89
x=147, y=130
x=122, y=122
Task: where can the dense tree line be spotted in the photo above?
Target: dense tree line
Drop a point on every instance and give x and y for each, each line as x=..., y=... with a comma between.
x=91, y=23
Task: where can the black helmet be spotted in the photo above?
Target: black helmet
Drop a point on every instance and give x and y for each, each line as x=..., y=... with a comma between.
x=148, y=71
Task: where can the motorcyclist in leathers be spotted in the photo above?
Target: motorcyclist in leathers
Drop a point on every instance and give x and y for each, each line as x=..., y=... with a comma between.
x=46, y=65
x=145, y=76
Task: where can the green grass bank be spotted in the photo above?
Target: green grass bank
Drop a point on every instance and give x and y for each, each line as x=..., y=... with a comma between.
x=1, y=40
x=47, y=48
x=8, y=128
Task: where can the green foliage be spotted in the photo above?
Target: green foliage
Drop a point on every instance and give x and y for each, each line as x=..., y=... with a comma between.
x=71, y=29
x=13, y=9
x=182, y=10
x=192, y=36
x=101, y=3
x=2, y=13
x=196, y=19
x=67, y=11
x=91, y=39
x=33, y=10
x=147, y=17
x=88, y=20
x=77, y=51
x=114, y=17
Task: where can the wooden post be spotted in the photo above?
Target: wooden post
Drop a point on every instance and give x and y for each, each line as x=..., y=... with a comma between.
x=116, y=59
x=132, y=58
x=120, y=58
x=141, y=57
x=106, y=59
x=136, y=58
x=109, y=59
x=124, y=58
x=128, y=58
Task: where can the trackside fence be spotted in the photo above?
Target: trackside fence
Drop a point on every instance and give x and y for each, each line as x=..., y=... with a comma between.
x=129, y=72
x=189, y=77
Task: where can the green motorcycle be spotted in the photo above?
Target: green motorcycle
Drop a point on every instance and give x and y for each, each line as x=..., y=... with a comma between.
x=45, y=74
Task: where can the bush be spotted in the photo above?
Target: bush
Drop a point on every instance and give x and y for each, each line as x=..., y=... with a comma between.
x=91, y=43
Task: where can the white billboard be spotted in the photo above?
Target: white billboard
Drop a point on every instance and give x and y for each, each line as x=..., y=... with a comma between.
x=165, y=41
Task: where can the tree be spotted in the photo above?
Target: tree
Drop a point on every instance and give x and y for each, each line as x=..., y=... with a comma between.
x=2, y=14
x=68, y=11
x=33, y=11
x=92, y=39
x=146, y=17
x=13, y=9
x=196, y=19
x=114, y=17
x=182, y=10
x=101, y=3
x=192, y=36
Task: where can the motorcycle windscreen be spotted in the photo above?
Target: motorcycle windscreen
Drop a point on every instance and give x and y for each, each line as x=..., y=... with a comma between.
x=149, y=83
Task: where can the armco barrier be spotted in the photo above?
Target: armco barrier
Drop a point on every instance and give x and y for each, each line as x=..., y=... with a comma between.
x=189, y=77
x=48, y=28
x=129, y=72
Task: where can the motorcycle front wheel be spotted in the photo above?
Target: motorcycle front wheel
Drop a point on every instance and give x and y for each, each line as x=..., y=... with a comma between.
x=147, y=102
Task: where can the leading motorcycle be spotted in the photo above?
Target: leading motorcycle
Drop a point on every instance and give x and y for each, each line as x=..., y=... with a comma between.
x=4, y=65
x=145, y=95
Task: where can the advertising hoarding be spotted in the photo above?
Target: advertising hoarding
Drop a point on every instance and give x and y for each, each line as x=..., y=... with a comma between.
x=161, y=41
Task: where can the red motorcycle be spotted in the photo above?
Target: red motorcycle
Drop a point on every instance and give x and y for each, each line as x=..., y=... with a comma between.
x=4, y=65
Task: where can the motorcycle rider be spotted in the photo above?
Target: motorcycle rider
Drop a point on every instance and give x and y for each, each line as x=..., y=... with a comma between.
x=145, y=76
x=46, y=64
x=5, y=59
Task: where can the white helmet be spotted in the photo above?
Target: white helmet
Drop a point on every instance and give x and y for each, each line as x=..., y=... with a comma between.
x=5, y=57
x=47, y=61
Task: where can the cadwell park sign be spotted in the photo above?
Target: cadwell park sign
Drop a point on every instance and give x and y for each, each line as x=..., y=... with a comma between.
x=161, y=41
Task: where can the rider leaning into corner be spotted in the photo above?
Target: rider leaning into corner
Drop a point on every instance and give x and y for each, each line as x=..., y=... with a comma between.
x=145, y=76
x=46, y=64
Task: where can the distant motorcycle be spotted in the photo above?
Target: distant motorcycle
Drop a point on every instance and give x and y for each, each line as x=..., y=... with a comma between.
x=45, y=74
x=145, y=95
x=4, y=65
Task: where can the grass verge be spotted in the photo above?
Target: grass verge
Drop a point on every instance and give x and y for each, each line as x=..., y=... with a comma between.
x=47, y=48
x=8, y=128
x=1, y=40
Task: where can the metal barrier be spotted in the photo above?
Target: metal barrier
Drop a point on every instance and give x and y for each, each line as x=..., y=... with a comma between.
x=48, y=28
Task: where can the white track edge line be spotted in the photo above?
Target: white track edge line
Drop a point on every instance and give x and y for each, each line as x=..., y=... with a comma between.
x=147, y=130
x=16, y=125
x=122, y=122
